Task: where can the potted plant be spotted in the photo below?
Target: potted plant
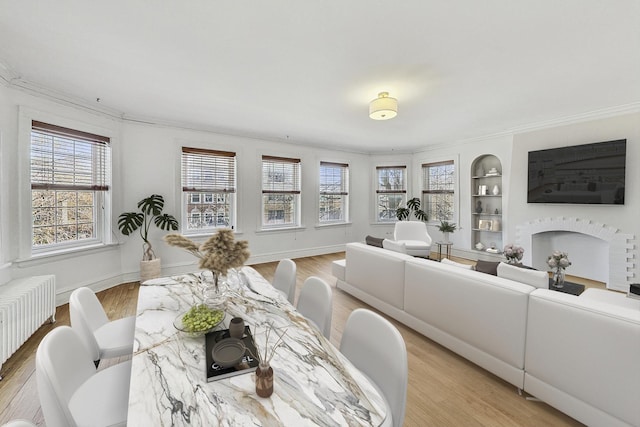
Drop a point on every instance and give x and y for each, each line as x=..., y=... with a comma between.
x=150, y=212
x=447, y=227
x=413, y=207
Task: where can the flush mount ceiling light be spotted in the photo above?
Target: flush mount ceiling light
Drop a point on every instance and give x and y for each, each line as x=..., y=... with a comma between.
x=383, y=107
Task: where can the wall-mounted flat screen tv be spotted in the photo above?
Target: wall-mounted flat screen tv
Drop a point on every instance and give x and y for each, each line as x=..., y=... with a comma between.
x=580, y=174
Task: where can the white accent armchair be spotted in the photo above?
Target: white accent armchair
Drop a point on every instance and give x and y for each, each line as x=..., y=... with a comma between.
x=411, y=238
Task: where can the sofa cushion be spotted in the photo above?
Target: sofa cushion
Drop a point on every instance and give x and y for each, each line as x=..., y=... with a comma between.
x=539, y=279
x=374, y=241
x=488, y=267
x=456, y=264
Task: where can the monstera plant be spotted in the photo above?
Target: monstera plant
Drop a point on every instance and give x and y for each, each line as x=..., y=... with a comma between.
x=413, y=207
x=150, y=212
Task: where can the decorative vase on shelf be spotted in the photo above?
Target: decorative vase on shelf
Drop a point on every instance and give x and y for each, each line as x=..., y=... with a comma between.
x=495, y=190
x=264, y=380
x=558, y=277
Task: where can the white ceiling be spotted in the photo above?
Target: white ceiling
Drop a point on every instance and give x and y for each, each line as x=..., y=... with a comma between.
x=304, y=71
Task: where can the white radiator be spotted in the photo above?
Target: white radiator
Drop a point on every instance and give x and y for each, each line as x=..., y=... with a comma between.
x=25, y=304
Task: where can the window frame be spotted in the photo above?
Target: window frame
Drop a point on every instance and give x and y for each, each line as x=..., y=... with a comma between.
x=380, y=191
x=68, y=178
x=281, y=187
x=206, y=174
x=343, y=192
x=427, y=192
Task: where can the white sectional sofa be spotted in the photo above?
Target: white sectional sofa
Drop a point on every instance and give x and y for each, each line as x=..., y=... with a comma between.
x=579, y=354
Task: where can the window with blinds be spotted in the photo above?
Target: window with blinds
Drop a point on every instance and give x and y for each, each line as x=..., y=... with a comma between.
x=208, y=188
x=438, y=190
x=391, y=191
x=70, y=174
x=280, y=192
x=334, y=192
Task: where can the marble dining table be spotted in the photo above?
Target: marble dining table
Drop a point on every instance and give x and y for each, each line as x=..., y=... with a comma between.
x=314, y=384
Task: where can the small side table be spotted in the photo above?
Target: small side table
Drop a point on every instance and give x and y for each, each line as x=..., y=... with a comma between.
x=568, y=288
x=447, y=246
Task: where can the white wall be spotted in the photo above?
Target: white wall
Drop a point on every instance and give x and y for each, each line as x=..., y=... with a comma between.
x=623, y=217
x=146, y=161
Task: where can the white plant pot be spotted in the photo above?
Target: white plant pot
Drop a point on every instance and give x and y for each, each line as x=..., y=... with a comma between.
x=445, y=236
x=150, y=269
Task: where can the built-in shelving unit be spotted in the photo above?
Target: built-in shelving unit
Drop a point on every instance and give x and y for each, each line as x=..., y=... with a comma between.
x=486, y=204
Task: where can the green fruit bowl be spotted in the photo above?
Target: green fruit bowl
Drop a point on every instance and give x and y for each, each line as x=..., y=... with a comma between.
x=198, y=321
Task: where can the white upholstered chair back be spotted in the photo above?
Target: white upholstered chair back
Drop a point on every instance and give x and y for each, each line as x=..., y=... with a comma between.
x=411, y=230
x=284, y=279
x=377, y=349
x=315, y=302
x=102, y=338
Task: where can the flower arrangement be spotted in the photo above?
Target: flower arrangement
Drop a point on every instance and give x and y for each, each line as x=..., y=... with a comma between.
x=513, y=253
x=558, y=260
x=218, y=254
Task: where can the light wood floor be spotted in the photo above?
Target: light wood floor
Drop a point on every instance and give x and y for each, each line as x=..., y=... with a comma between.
x=444, y=389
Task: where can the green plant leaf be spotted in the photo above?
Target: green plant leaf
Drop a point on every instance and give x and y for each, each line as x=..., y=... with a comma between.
x=421, y=215
x=129, y=222
x=166, y=222
x=414, y=204
x=402, y=213
x=152, y=205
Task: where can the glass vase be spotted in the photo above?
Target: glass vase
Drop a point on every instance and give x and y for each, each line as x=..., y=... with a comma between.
x=264, y=380
x=215, y=294
x=558, y=278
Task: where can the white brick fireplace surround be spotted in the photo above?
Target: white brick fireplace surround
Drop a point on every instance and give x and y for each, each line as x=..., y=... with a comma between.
x=597, y=251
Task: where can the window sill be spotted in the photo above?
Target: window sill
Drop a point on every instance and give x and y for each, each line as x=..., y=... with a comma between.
x=65, y=253
x=280, y=229
x=333, y=224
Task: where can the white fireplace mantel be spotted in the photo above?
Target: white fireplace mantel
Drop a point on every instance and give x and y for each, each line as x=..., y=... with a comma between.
x=622, y=252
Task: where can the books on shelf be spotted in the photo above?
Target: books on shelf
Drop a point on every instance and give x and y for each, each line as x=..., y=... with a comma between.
x=249, y=362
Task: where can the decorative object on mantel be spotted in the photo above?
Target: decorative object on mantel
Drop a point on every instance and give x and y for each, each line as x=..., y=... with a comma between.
x=447, y=227
x=150, y=212
x=264, y=372
x=479, y=246
x=513, y=253
x=558, y=261
x=218, y=254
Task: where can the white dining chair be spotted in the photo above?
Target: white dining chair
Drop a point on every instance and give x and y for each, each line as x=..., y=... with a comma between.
x=315, y=303
x=377, y=349
x=103, y=338
x=284, y=279
x=71, y=391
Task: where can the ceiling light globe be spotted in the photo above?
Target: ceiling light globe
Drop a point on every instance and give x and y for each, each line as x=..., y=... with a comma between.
x=383, y=107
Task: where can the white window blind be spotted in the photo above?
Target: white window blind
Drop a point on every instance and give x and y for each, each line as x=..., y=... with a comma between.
x=280, y=175
x=391, y=179
x=208, y=171
x=334, y=178
x=67, y=159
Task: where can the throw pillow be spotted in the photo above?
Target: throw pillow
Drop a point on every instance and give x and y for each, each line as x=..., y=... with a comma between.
x=488, y=267
x=456, y=264
x=374, y=241
x=539, y=279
